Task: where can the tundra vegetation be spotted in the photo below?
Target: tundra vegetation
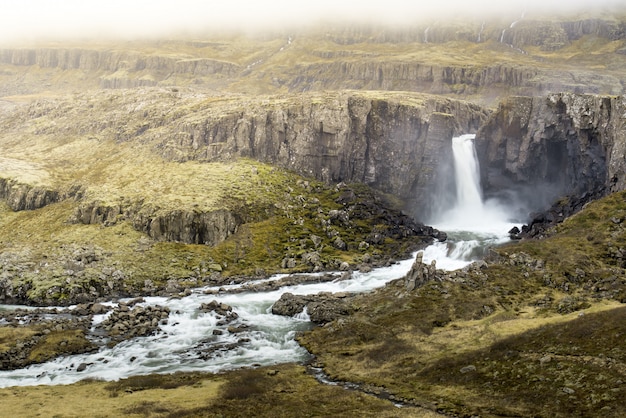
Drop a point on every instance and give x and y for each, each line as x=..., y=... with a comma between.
x=85, y=177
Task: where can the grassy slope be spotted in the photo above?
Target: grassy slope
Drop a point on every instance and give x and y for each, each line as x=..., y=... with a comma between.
x=535, y=327
x=40, y=243
x=285, y=391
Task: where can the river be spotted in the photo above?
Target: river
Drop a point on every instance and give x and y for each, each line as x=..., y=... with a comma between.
x=193, y=340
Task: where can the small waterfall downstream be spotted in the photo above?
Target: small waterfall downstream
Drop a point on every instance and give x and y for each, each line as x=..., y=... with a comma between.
x=194, y=340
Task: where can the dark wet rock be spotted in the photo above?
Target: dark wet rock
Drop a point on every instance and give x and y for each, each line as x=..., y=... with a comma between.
x=83, y=366
x=215, y=306
x=321, y=308
x=222, y=310
x=514, y=233
x=563, y=208
x=238, y=329
x=125, y=323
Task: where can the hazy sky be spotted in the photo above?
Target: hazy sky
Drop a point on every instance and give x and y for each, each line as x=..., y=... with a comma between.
x=27, y=19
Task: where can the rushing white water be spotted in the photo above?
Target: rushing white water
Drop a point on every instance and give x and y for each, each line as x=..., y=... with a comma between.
x=193, y=340
x=472, y=223
x=188, y=342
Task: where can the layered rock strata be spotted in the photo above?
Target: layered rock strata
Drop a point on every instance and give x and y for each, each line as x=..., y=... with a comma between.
x=395, y=143
x=543, y=148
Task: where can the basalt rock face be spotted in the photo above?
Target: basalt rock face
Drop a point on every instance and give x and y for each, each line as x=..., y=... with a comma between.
x=516, y=31
x=187, y=226
x=394, y=144
x=26, y=197
x=20, y=196
x=111, y=61
x=411, y=76
x=548, y=147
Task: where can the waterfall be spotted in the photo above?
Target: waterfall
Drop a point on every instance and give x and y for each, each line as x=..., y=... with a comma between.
x=502, y=36
x=472, y=223
x=482, y=28
x=512, y=26
x=467, y=173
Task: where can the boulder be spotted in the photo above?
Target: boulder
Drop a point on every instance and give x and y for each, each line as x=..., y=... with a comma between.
x=125, y=323
x=321, y=308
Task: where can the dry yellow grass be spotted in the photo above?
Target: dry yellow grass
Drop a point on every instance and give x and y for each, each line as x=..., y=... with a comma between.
x=91, y=399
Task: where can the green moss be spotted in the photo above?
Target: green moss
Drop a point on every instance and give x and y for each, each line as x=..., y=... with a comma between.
x=58, y=343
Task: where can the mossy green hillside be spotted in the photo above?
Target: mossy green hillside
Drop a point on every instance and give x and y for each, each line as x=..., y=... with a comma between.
x=52, y=260
x=536, y=332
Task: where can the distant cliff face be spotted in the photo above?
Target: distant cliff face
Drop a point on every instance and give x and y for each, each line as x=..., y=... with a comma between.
x=546, y=147
x=472, y=59
x=518, y=32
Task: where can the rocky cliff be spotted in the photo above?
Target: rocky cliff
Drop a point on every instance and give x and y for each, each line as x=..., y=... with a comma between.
x=415, y=76
x=548, y=147
x=181, y=225
x=24, y=196
x=396, y=143
x=111, y=61
x=516, y=31
x=478, y=60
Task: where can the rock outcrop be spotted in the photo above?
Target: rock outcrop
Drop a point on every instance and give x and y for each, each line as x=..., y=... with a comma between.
x=547, y=147
x=420, y=273
x=187, y=226
x=21, y=196
x=321, y=308
x=126, y=321
x=411, y=76
x=112, y=61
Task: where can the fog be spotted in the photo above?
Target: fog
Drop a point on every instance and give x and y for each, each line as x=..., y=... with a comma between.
x=22, y=20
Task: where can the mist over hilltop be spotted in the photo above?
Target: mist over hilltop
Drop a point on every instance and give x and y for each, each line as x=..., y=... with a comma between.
x=39, y=19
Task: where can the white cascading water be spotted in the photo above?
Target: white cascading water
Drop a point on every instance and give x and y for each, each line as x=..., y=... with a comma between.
x=188, y=342
x=472, y=224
